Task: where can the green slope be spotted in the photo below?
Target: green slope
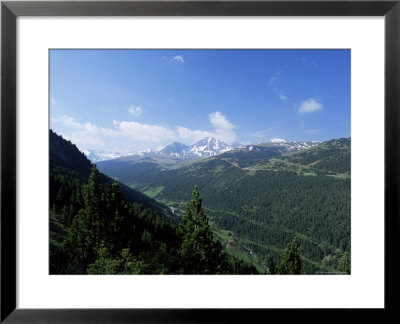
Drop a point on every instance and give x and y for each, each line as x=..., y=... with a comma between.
x=265, y=199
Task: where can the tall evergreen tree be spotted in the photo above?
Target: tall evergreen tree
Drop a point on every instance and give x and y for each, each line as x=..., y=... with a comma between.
x=344, y=264
x=291, y=261
x=271, y=266
x=117, y=215
x=201, y=252
x=88, y=227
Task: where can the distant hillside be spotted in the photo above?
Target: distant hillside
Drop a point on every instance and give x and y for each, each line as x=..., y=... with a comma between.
x=263, y=195
x=329, y=158
x=128, y=168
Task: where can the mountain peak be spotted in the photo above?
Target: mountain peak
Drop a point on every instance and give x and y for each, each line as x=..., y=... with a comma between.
x=174, y=150
x=209, y=146
x=206, y=147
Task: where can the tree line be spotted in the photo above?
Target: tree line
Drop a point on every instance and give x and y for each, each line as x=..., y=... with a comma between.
x=110, y=235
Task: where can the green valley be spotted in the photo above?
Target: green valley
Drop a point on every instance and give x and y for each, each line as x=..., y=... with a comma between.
x=100, y=226
x=264, y=199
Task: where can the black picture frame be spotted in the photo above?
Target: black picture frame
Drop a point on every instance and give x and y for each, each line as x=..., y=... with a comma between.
x=10, y=10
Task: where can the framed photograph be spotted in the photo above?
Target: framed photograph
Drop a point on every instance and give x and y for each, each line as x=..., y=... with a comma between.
x=190, y=161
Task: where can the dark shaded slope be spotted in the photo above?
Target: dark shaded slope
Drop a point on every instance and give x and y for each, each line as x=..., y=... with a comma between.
x=65, y=155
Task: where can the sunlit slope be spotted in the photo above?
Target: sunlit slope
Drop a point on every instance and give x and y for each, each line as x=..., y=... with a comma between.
x=265, y=199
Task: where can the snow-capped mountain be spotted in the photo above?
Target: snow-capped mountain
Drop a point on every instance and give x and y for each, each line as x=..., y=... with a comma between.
x=97, y=156
x=204, y=148
x=209, y=147
x=176, y=151
x=280, y=145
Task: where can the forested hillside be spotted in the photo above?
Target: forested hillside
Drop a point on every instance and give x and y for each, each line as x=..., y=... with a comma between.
x=258, y=201
x=99, y=226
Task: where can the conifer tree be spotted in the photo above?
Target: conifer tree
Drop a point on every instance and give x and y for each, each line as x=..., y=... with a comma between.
x=271, y=266
x=201, y=252
x=117, y=213
x=344, y=264
x=88, y=227
x=291, y=261
x=94, y=201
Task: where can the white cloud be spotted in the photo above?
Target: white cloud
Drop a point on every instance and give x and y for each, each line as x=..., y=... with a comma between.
x=224, y=129
x=84, y=135
x=175, y=59
x=132, y=136
x=143, y=132
x=219, y=121
x=189, y=136
x=125, y=136
x=178, y=59
x=310, y=105
x=66, y=121
x=135, y=111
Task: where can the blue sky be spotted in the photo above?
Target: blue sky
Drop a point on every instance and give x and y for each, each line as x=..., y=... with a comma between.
x=135, y=100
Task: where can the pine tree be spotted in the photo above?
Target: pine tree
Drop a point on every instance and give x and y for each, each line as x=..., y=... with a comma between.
x=271, y=266
x=88, y=227
x=201, y=252
x=117, y=213
x=344, y=264
x=291, y=261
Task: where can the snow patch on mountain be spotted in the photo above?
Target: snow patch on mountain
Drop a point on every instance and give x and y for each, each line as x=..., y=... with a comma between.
x=97, y=156
x=204, y=148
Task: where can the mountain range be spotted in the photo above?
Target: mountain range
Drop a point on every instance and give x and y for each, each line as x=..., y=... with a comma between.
x=99, y=226
x=257, y=196
x=204, y=148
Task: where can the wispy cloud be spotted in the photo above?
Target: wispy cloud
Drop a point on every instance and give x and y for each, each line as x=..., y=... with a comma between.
x=175, y=59
x=310, y=105
x=178, y=59
x=53, y=101
x=309, y=63
x=272, y=80
x=262, y=133
x=135, y=110
x=272, y=83
x=280, y=94
x=112, y=109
